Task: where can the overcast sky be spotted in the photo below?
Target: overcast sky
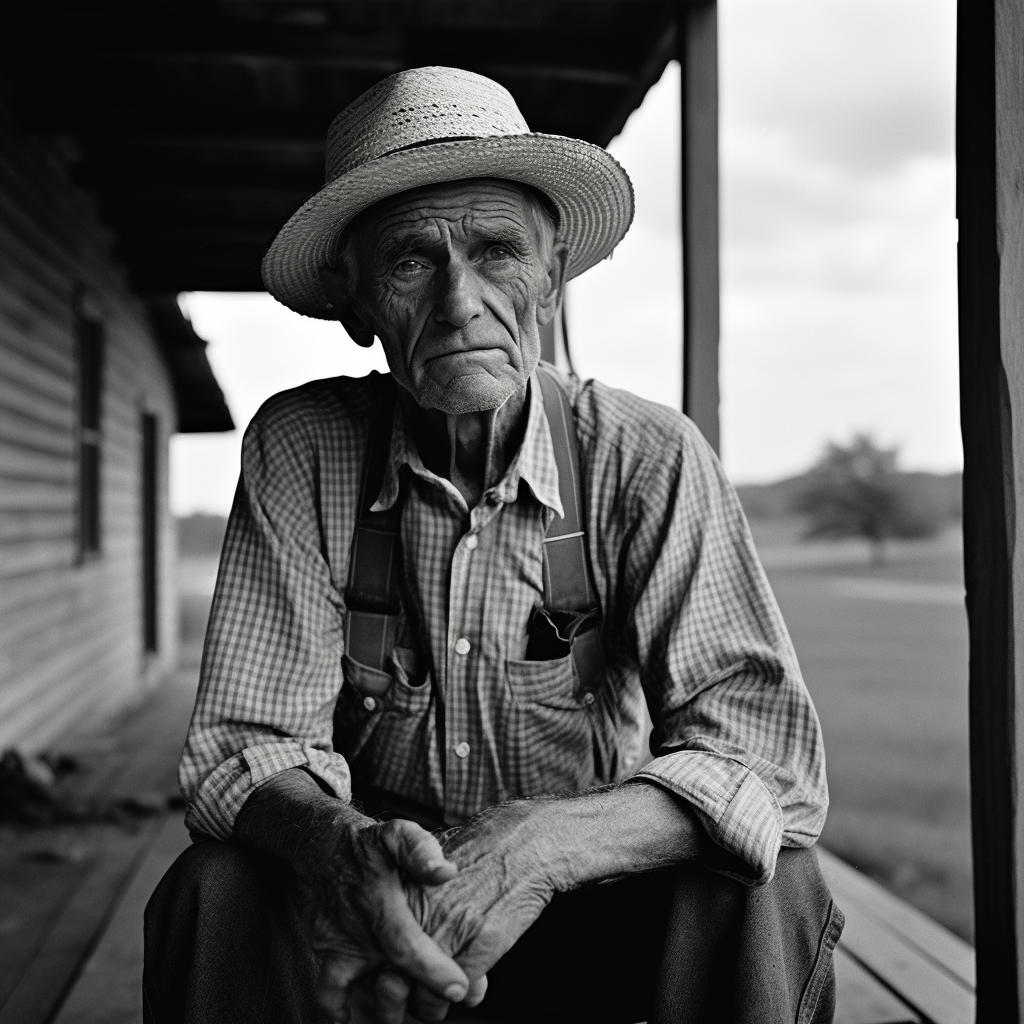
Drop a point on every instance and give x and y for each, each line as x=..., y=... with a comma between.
x=838, y=254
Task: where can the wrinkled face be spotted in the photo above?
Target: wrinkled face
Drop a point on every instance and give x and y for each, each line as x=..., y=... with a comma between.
x=453, y=279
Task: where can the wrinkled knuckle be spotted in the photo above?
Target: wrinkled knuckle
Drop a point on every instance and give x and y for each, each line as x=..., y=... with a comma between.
x=392, y=986
x=322, y=934
x=394, y=942
x=466, y=926
x=412, y=836
x=405, y=834
x=378, y=921
x=430, y=1007
x=488, y=935
x=390, y=836
x=418, y=906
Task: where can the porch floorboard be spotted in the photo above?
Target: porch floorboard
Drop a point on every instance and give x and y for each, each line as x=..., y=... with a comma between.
x=894, y=965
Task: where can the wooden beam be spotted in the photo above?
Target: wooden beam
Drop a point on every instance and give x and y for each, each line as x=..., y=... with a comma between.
x=371, y=35
x=196, y=276
x=990, y=209
x=264, y=63
x=662, y=50
x=579, y=75
x=697, y=42
x=238, y=204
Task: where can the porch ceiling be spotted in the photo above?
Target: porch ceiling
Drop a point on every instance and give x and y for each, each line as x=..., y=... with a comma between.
x=199, y=126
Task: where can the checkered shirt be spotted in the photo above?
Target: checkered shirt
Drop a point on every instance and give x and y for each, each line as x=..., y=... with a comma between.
x=461, y=720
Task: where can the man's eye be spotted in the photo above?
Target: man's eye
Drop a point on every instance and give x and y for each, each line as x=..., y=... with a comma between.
x=407, y=267
x=500, y=252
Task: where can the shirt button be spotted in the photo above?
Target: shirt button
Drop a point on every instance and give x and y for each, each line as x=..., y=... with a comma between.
x=462, y=750
x=472, y=541
x=588, y=699
x=369, y=703
x=462, y=647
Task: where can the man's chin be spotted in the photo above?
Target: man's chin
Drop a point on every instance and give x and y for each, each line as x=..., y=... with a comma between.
x=476, y=391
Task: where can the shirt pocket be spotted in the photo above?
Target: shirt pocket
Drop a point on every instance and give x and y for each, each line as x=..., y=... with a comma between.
x=369, y=695
x=550, y=733
x=410, y=683
x=551, y=683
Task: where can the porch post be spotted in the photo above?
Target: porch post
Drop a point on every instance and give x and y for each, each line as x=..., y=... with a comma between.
x=990, y=209
x=697, y=43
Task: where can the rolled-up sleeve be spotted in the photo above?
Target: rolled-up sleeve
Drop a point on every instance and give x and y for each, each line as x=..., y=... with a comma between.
x=271, y=671
x=735, y=732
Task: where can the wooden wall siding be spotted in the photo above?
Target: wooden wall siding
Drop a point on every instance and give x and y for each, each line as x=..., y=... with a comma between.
x=71, y=635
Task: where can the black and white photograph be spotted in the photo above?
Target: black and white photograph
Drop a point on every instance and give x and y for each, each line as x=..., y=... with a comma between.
x=509, y=512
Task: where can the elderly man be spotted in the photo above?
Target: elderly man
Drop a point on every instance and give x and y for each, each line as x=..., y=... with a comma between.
x=444, y=596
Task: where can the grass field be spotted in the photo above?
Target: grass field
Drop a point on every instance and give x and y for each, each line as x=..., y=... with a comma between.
x=884, y=653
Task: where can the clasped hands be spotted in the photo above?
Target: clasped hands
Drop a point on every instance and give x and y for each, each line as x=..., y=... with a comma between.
x=425, y=919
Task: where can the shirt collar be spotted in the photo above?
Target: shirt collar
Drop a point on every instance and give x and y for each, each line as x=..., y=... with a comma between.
x=534, y=462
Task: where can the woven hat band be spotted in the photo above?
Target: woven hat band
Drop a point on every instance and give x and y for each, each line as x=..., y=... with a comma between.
x=416, y=107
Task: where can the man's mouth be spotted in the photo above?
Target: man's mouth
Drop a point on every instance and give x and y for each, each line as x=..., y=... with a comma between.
x=455, y=353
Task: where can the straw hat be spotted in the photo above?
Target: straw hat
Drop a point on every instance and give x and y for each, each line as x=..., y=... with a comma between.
x=430, y=125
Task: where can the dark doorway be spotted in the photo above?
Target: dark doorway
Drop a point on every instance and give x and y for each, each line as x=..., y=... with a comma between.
x=150, y=441
x=89, y=352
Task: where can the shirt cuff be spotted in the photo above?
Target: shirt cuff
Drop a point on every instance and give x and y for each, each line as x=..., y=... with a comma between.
x=738, y=811
x=219, y=799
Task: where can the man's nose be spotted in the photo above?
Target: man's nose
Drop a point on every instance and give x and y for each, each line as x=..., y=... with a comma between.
x=458, y=297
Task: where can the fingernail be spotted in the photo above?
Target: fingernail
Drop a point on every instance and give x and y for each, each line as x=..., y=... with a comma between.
x=455, y=993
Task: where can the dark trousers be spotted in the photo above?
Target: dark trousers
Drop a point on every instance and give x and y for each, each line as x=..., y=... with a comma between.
x=224, y=944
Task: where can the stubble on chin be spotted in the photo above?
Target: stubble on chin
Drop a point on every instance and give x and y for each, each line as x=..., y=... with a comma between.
x=477, y=391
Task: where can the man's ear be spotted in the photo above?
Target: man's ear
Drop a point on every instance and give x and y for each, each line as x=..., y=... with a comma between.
x=358, y=328
x=551, y=297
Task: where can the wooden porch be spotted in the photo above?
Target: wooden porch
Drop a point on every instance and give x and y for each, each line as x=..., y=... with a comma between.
x=71, y=942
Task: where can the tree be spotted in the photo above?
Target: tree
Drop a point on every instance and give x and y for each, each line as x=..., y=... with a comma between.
x=856, y=491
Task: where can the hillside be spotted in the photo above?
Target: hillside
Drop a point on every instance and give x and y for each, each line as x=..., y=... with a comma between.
x=941, y=491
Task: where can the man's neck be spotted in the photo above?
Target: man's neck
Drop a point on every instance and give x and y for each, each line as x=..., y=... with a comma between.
x=472, y=450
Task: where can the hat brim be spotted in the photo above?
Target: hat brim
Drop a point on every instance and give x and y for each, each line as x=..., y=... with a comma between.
x=590, y=189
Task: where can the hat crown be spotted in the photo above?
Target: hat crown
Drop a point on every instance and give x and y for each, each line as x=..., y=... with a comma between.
x=419, y=106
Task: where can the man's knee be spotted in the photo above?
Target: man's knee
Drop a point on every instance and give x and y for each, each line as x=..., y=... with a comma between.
x=223, y=937
x=190, y=906
x=210, y=870
x=768, y=947
x=214, y=891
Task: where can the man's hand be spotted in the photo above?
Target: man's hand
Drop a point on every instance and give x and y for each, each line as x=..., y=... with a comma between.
x=512, y=858
x=502, y=885
x=361, y=920
x=352, y=870
x=385, y=899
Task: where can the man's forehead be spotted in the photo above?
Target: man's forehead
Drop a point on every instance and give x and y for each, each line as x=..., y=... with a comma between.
x=461, y=204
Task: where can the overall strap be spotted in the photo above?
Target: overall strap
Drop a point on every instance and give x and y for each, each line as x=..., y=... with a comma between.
x=372, y=596
x=567, y=582
x=570, y=597
x=572, y=613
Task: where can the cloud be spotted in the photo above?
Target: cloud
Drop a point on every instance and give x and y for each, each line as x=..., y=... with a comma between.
x=861, y=83
x=838, y=230
x=786, y=217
